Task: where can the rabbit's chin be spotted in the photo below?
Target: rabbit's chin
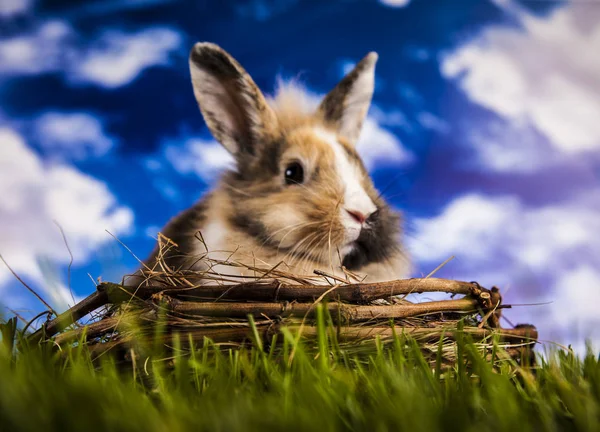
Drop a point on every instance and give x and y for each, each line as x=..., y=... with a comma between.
x=347, y=249
x=352, y=234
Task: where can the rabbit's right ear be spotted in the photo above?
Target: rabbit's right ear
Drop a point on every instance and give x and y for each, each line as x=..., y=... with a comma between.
x=233, y=107
x=345, y=107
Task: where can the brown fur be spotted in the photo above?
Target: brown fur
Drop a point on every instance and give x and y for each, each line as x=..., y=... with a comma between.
x=253, y=216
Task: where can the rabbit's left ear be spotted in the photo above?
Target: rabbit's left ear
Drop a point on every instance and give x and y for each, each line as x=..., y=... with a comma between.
x=345, y=107
x=233, y=107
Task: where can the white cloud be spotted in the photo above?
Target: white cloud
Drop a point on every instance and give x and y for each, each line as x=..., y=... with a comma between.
x=480, y=229
x=72, y=135
x=542, y=75
x=511, y=147
x=579, y=290
x=34, y=196
x=113, y=59
x=395, y=3
x=467, y=227
x=9, y=8
x=379, y=147
x=571, y=317
x=205, y=158
x=117, y=58
x=44, y=50
x=391, y=118
x=500, y=241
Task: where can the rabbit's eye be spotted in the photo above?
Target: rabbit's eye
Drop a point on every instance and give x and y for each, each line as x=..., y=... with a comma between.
x=294, y=173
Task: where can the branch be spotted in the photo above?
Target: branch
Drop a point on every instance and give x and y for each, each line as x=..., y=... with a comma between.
x=274, y=290
x=65, y=319
x=348, y=313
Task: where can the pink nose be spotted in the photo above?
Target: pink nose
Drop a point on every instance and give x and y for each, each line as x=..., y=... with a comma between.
x=357, y=216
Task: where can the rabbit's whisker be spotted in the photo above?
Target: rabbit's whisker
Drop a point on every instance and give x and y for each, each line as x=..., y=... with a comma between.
x=290, y=253
x=309, y=254
x=290, y=231
x=292, y=227
x=295, y=255
x=331, y=229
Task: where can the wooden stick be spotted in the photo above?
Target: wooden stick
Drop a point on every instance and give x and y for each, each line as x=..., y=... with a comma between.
x=118, y=323
x=348, y=313
x=65, y=319
x=91, y=331
x=273, y=290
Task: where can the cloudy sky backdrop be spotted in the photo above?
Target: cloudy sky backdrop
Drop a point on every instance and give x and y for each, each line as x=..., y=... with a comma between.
x=485, y=131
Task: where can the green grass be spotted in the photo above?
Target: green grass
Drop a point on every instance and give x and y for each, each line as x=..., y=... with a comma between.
x=294, y=387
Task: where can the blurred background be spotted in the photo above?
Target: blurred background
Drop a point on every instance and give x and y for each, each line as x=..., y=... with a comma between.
x=484, y=131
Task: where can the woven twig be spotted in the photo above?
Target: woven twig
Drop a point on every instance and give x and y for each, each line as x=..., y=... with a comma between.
x=197, y=305
x=273, y=290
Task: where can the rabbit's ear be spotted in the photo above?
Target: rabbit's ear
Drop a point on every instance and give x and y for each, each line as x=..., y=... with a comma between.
x=233, y=107
x=346, y=106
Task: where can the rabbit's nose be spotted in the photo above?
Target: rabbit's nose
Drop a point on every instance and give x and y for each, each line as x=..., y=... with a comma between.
x=357, y=216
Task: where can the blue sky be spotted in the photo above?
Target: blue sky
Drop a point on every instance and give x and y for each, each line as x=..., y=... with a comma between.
x=484, y=131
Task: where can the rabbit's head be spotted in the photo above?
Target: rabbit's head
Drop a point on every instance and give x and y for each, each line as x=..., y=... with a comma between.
x=299, y=185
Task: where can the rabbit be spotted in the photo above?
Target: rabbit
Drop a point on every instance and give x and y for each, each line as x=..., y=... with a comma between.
x=299, y=192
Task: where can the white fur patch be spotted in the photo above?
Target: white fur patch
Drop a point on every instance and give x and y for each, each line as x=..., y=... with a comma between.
x=355, y=197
